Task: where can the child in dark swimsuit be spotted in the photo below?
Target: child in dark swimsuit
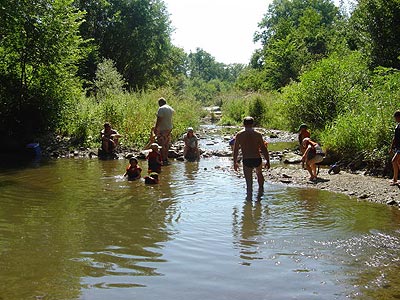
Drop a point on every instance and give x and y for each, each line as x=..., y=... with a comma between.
x=395, y=148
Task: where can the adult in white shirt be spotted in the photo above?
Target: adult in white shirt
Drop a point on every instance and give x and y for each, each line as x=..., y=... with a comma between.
x=163, y=127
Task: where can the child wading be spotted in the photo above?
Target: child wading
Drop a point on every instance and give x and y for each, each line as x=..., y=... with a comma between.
x=395, y=148
x=133, y=171
x=154, y=158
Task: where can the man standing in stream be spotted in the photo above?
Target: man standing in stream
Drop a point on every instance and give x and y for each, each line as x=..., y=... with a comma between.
x=251, y=143
x=163, y=127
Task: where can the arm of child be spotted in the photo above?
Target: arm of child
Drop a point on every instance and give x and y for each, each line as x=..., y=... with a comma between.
x=304, y=157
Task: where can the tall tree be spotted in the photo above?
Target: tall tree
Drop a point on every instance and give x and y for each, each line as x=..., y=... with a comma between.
x=293, y=34
x=40, y=48
x=136, y=34
x=376, y=30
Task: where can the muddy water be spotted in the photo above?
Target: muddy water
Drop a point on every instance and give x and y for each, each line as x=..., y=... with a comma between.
x=75, y=229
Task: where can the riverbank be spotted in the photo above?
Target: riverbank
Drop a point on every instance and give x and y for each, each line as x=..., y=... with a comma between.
x=358, y=185
x=286, y=167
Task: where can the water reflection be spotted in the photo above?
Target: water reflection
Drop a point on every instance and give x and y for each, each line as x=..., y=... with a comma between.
x=74, y=229
x=249, y=224
x=71, y=225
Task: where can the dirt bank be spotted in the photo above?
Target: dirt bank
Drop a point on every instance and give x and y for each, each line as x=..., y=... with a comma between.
x=357, y=185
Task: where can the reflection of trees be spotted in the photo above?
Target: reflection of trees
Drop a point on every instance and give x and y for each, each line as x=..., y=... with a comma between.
x=248, y=226
x=67, y=222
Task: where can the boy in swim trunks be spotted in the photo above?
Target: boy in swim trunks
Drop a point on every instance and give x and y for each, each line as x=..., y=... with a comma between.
x=251, y=143
x=395, y=148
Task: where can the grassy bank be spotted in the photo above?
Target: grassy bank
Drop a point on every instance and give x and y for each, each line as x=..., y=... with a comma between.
x=265, y=108
x=132, y=114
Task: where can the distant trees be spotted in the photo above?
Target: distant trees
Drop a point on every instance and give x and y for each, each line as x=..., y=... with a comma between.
x=207, y=77
x=293, y=33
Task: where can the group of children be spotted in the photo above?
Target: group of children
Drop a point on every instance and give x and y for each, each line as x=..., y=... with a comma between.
x=155, y=159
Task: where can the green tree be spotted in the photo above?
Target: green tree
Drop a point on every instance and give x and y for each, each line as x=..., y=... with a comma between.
x=40, y=48
x=136, y=34
x=376, y=30
x=293, y=33
x=108, y=81
x=330, y=88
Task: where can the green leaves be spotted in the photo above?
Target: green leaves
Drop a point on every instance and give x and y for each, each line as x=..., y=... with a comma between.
x=294, y=33
x=41, y=47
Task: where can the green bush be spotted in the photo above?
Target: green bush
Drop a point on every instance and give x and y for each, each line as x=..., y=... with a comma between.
x=265, y=108
x=132, y=114
x=329, y=89
x=369, y=128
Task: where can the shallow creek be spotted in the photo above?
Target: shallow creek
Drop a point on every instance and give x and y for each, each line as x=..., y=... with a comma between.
x=76, y=229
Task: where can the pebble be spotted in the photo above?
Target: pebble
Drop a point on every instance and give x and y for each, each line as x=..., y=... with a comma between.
x=391, y=202
x=286, y=181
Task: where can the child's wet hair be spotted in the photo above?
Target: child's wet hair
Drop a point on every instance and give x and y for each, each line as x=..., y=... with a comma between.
x=133, y=159
x=397, y=114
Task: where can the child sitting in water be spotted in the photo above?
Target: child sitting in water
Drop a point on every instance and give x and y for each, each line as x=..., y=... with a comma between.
x=133, y=171
x=152, y=178
x=154, y=158
x=191, y=150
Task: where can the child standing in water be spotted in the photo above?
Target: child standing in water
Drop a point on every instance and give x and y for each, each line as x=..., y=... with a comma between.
x=154, y=158
x=395, y=148
x=133, y=171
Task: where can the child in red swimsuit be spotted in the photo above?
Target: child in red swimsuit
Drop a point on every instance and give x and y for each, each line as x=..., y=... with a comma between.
x=154, y=158
x=133, y=171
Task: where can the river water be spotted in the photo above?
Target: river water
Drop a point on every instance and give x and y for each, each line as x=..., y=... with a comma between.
x=75, y=229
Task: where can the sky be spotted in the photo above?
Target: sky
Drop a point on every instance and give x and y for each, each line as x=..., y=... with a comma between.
x=223, y=28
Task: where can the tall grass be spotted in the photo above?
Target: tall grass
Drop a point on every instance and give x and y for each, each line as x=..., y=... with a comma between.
x=265, y=108
x=132, y=114
x=368, y=128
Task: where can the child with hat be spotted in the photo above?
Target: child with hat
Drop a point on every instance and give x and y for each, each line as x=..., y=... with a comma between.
x=154, y=158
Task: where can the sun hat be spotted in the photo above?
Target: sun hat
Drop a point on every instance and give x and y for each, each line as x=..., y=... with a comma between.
x=155, y=145
x=302, y=126
x=190, y=129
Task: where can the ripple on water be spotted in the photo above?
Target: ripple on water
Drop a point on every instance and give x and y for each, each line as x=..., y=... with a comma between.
x=193, y=232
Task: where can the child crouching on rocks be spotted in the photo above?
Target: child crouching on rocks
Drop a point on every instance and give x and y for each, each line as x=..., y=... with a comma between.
x=191, y=150
x=312, y=156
